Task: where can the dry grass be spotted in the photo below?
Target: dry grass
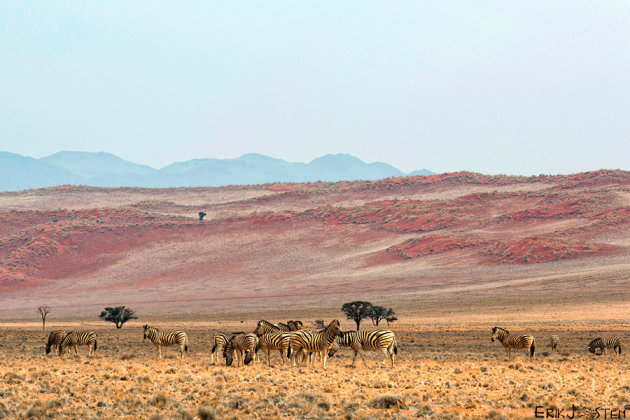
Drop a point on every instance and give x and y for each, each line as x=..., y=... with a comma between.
x=443, y=371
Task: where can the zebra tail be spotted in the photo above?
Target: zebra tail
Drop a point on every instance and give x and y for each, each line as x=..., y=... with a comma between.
x=533, y=348
x=214, y=348
x=289, y=350
x=186, y=347
x=94, y=345
x=395, y=348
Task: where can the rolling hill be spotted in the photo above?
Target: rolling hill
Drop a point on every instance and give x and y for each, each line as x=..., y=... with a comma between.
x=457, y=239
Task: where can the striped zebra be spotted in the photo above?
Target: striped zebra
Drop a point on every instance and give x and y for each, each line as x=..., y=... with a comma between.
x=283, y=327
x=266, y=327
x=275, y=341
x=510, y=341
x=308, y=341
x=54, y=339
x=78, y=338
x=554, y=340
x=605, y=343
x=159, y=339
x=360, y=341
x=295, y=325
x=219, y=340
x=244, y=345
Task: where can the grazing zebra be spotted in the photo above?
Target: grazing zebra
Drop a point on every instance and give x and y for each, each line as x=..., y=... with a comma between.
x=219, y=340
x=160, y=339
x=605, y=343
x=510, y=341
x=360, y=341
x=266, y=327
x=275, y=341
x=78, y=338
x=554, y=341
x=243, y=345
x=307, y=341
x=54, y=339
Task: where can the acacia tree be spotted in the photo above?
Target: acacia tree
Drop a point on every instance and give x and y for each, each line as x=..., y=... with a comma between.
x=357, y=311
x=43, y=310
x=391, y=318
x=377, y=314
x=118, y=315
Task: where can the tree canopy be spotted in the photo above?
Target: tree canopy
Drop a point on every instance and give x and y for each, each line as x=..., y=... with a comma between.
x=118, y=315
x=357, y=311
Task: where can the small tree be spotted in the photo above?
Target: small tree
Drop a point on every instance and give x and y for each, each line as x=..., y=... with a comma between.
x=201, y=215
x=357, y=311
x=43, y=311
x=390, y=316
x=118, y=315
x=377, y=314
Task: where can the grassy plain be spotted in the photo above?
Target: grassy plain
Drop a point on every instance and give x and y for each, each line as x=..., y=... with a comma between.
x=445, y=369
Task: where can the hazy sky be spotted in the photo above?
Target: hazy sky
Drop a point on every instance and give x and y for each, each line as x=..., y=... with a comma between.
x=494, y=87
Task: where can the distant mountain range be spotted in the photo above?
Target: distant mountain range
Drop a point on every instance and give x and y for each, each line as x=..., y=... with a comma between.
x=102, y=169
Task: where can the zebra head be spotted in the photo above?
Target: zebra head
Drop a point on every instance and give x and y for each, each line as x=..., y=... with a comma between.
x=260, y=329
x=497, y=333
x=593, y=346
x=228, y=352
x=145, y=327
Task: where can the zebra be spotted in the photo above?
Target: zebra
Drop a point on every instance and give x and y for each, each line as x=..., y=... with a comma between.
x=265, y=327
x=244, y=345
x=160, y=339
x=554, y=341
x=295, y=325
x=275, y=341
x=360, y=341
x=283, y=327
x=219, y=340
x=510, y=341
x=54, y=339
x=78, y=338
x=605, y=343
x=307, y=341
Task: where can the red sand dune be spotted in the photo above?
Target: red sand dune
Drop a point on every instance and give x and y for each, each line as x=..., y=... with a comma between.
x=263, y=244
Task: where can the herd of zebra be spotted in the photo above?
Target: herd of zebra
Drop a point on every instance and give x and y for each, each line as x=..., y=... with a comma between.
x=527, y=342
x=298, y=344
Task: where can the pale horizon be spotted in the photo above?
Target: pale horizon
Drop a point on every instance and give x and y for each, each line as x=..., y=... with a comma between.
x=487, y=87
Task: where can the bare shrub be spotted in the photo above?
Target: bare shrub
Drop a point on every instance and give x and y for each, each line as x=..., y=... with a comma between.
x=389, y=401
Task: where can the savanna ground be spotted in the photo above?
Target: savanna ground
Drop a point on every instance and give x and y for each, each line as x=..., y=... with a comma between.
x=446, y=368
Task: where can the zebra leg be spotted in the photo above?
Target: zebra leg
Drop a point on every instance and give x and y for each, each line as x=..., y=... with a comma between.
x=387, y=356
x=76, y=349
x=362, y=358
x=390, y=352
x=159, y=351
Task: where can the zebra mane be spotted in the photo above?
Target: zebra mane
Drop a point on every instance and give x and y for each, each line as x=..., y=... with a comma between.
x=495, y=329
x=148, y=327
x=593, y=342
